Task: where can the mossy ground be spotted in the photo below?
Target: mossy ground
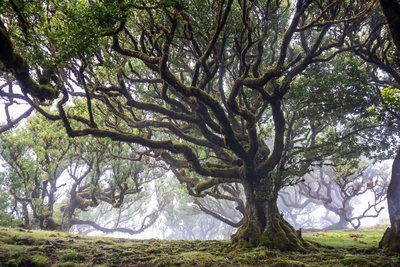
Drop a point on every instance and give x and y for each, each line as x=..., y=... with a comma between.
x=19, y=247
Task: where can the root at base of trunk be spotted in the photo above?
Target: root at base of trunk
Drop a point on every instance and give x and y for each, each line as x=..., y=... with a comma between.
x=390, y=241
x=279, y=234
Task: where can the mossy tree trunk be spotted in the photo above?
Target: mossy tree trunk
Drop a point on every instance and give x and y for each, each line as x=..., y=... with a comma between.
x=25, y=212
x=391, y=238
x=67, y=218
x=264, y=225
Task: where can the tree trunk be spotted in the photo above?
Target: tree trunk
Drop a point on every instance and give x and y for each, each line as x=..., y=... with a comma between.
x=68, y=213
x=25, y=212
x=391, y=238
x=391, y=9
x=263, y=225
x=340, y=225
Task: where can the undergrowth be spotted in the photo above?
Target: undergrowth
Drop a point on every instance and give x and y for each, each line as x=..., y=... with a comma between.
x=20, y=247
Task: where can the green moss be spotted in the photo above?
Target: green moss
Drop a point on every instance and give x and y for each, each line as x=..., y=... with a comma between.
x=153, y=250
x=35, y=260
x=283, y=262
x=365, y=238
x=66, y=264
x=281, y=240
x=252, y=257
x=14, y=262
x=21, y=248
x=355, y=261
x=162, y=261
x=72, y=256
x=264, y=240
x=240, y=237
x=199, y=259
x=38, y=260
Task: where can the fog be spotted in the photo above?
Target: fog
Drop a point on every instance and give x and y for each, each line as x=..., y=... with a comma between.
x=181, y=218
x=164, y=210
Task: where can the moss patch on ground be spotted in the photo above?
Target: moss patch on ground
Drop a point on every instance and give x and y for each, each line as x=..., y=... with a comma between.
x=19, y=247
x=364, y=238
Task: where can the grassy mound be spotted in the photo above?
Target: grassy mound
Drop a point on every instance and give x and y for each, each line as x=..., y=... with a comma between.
x=19, y=247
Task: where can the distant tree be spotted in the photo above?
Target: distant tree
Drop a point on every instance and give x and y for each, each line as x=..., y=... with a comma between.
x=8, y=209
x=225, y=203
x=134, y=216
x=183, y=217
x=41, y=164
x=33, y=160
x=337, y=189
x=109, y=192
x=298, y=209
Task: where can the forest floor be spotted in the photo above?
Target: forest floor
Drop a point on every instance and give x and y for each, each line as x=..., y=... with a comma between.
x=20, y=247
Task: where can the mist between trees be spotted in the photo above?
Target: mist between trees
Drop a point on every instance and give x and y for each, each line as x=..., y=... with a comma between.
x=250, y=105
x=95, y=186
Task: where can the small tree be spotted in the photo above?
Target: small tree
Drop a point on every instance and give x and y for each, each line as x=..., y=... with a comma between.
x=110, y=190
x=183, y=217
x=39, y=157
x=33, y=160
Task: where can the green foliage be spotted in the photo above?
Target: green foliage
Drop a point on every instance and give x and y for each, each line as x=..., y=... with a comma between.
x=64, y=28
x=391, y=98
x=14, y=262
x=34, y=157
x=6, y=217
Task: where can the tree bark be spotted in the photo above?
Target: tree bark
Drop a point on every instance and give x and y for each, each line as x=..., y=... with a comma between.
x=340, y=225
x=25, y=212
x=264, y=225
x=391, y=9
x=343, y=212
x=68, y=213
x=391, y=238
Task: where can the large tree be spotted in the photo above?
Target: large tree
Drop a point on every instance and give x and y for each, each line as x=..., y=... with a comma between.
x=390, y=240
x=201, y=86
x=377, y=41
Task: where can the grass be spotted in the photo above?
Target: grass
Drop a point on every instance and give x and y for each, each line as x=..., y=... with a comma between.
x=20, y=247
x=365, y=238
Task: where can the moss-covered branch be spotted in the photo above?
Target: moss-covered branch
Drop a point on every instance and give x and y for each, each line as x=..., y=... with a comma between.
x=19, y=67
